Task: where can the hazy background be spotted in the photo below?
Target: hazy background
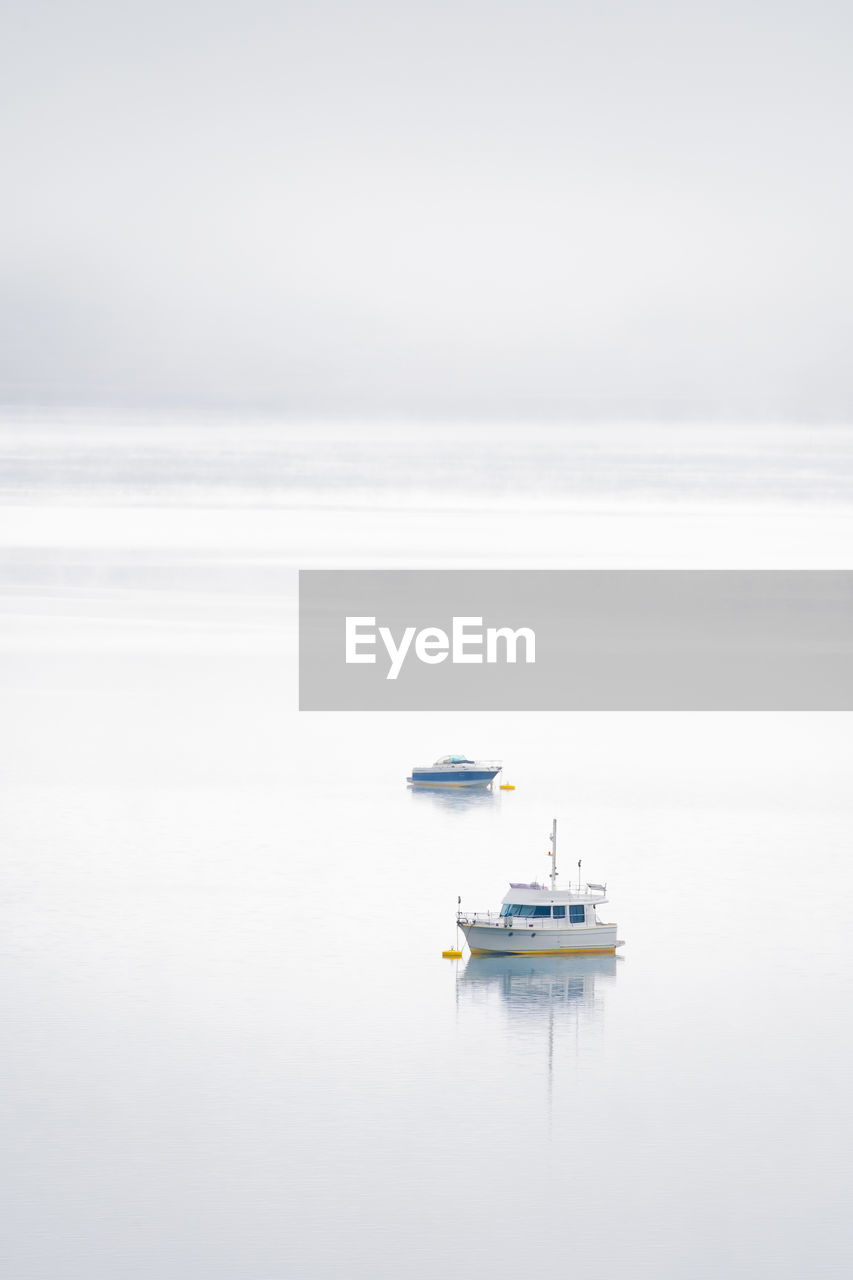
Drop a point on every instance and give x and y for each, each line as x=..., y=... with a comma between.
x=541, y=210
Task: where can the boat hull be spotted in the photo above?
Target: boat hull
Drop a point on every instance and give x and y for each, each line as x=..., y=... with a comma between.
x=480, y=778
x=489, y=940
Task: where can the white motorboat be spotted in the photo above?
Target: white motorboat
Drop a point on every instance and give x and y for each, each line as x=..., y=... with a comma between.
x=540, y=919
x=455, y=771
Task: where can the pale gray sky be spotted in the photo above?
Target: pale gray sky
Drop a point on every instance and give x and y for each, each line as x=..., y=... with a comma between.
x=544, y=208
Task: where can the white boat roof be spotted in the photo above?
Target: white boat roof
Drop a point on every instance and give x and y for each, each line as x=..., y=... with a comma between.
x=529, y=895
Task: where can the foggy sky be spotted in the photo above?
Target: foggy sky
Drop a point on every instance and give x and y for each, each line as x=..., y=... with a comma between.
x=549, y=209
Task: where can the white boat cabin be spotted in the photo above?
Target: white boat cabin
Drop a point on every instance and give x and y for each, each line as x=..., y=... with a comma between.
x=526, y=903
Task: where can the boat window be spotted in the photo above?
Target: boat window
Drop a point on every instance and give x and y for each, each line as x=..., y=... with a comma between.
x=516, y=909
x=577, y=912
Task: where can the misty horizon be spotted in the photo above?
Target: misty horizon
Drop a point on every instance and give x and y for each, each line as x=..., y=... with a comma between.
x=543, y=212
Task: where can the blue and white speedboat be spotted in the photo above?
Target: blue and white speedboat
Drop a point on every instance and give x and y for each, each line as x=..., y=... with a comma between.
x=455, y=771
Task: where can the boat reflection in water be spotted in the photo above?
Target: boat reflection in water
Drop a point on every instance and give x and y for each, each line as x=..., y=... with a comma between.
x=458, y=800
x=531, y=985
x=556, y=1002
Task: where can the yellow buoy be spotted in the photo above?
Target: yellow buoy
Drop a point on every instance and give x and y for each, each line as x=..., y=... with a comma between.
x=452, y=955
x=507, y=786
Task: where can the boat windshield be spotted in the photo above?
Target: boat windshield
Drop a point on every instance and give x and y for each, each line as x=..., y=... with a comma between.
x=577, y=912
x=454, y=760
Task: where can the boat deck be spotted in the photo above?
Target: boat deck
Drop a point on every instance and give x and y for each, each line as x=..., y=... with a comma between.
x=490, y=919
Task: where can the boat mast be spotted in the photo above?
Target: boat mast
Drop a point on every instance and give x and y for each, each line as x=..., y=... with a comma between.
x=554, y=855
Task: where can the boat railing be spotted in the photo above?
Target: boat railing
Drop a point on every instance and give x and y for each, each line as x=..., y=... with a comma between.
x=513, y=922
x=478, y=917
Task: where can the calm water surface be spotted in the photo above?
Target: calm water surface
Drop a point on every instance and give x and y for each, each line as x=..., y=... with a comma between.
x=233, y=1048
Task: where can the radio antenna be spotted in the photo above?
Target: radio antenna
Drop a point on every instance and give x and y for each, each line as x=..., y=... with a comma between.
x=554, y=855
